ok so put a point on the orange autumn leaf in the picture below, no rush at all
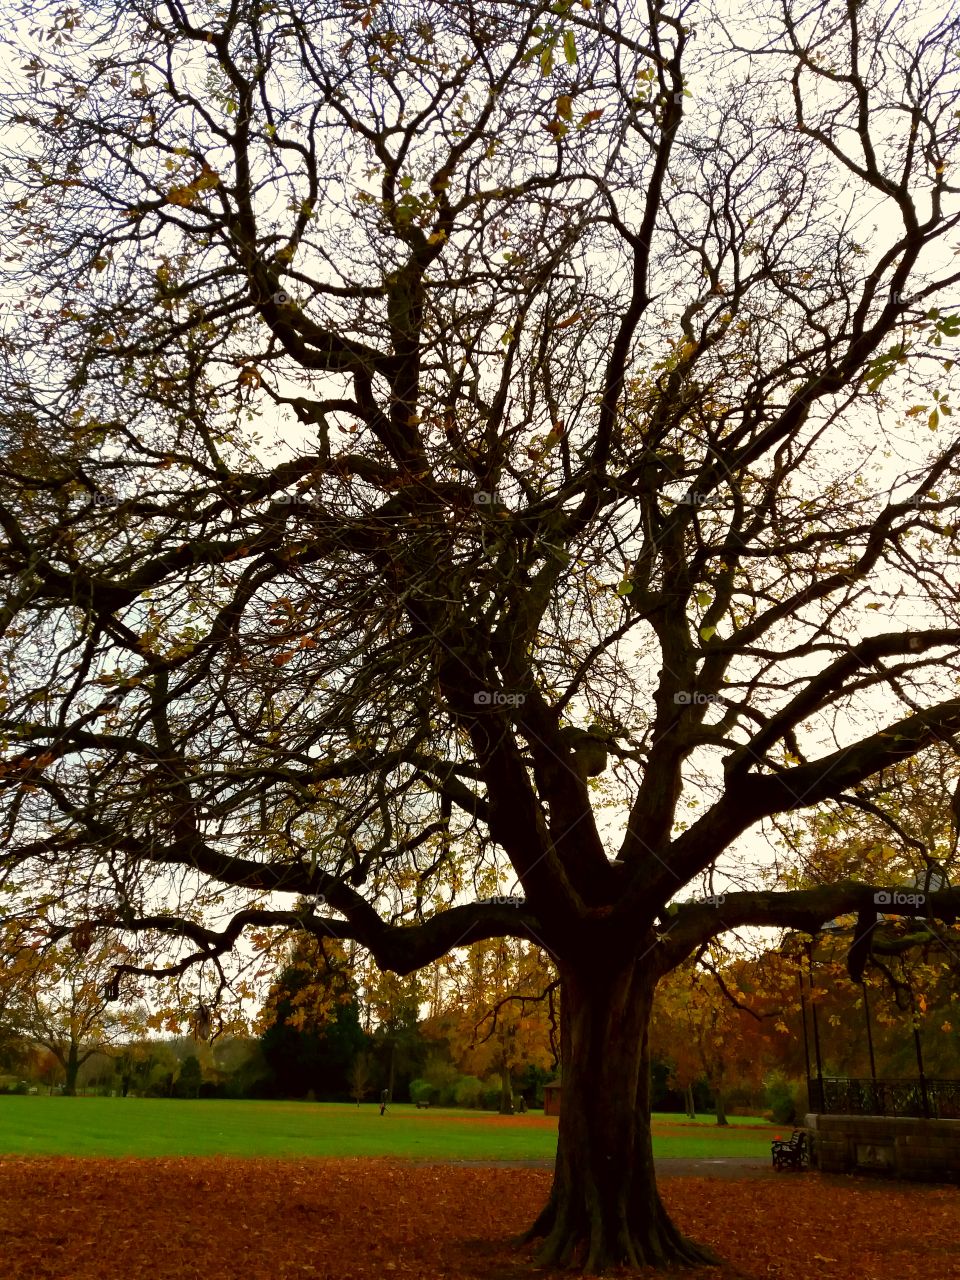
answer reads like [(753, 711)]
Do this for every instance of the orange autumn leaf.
[(95, 1219)]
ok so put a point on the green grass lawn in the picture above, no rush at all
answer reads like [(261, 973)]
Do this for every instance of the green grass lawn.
[(168, 1127)]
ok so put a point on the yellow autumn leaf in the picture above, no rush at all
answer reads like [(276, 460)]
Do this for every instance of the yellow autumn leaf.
[(208, 179)]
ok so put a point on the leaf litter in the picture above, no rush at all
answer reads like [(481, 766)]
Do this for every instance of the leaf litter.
[(246, 1219)]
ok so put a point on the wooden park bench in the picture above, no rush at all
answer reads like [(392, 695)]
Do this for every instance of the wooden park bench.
[(791, 1154), (422, 1104)]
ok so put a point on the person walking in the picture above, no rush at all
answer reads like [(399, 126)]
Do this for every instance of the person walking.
[(383, 1100)]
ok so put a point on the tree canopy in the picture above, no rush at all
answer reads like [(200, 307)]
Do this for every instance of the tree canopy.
[(473, 448)]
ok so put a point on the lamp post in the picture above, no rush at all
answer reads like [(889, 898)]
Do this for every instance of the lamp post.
[(866, 1016), (803, 1017), (915, 1023), (875, 1106), (816, 1028), (931, 880), (795, 948)]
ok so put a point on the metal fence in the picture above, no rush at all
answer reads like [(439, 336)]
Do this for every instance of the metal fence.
[(924, 1099)]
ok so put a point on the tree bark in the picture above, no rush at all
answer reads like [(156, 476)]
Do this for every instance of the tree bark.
[(72, 1068), (720, 1105), (604, 1210), (506, 1092), (691, 1109)]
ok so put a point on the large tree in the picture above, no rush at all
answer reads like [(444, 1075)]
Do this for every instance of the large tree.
[(455, 437)]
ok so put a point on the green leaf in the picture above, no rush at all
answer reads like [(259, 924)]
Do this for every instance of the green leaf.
[(624, 588), (707, 632), (704, 599), (570, 47), (934, 420)]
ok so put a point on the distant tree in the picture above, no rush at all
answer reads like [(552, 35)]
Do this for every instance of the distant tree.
[(532, 1080), (98, 1072), (130, 1061), (237, 1064), (47, 1070), (397, 1041), (468, 1091), (12, 1041), (710, 1031), (59, 995), (721, 1020), (161, 1069), (311, 1021), (18, 960), (361, 1079), (422, 1091), (496, 1015), (139, 1063), (190, 1078)]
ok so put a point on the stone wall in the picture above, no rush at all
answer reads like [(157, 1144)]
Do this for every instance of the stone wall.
[(924, 1150)]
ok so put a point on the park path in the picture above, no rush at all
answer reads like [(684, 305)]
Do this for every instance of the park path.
[(668, 1167), (730, 1169)]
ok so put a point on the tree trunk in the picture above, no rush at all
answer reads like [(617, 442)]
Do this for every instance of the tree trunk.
[(604, 1210), (691, 1109), (72, 1067), (506, 1092), (719, 1103)]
